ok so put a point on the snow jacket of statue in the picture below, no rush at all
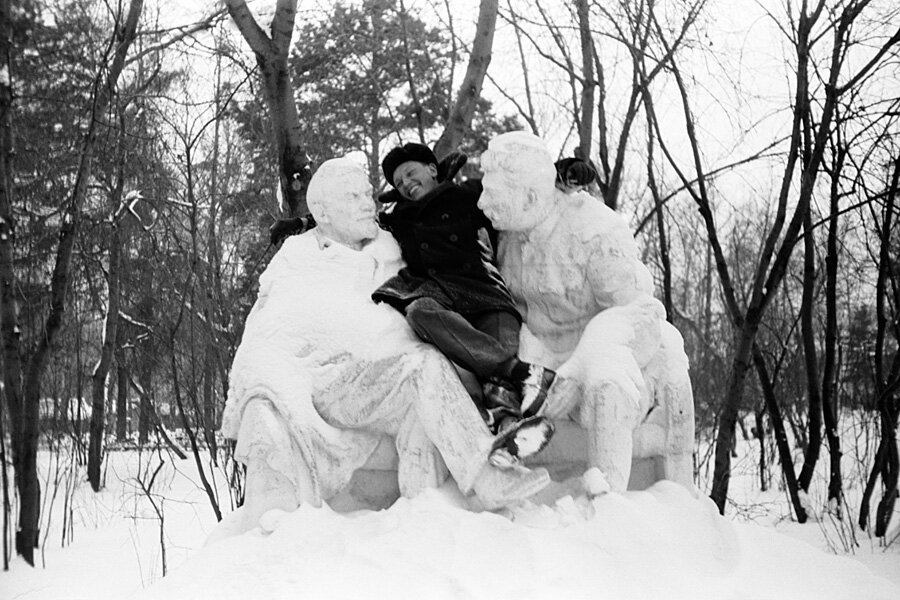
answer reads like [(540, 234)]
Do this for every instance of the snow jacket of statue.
[(445, 258)]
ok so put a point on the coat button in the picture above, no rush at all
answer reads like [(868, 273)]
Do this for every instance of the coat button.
[(432, 272), (445, 217), (454, 237), (467, 267), (424, 245)]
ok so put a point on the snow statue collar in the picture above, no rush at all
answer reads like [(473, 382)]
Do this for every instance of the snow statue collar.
[(340, 199), (519, 192)]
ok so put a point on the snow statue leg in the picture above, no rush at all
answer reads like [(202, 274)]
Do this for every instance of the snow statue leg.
[(277, 476), (666, 434), (418, 399), (609, 413), (421, 466), (454, 425), (604, 374), (380, 396)]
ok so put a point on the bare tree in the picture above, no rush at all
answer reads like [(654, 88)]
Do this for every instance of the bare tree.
[(470, 89), (23, 389), (12, 368), (585, 123), (887, 370), (271, 53), (809, 137), (99, 378), (628, 25)]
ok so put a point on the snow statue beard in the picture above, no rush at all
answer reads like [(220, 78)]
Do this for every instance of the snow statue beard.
[(340, 199), (519, 182)]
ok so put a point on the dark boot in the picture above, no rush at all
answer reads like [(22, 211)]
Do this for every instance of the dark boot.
[(500, 404), (531, 382), (520, 439)]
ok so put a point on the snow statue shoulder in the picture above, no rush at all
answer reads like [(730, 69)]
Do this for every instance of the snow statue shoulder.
[(334, 399)]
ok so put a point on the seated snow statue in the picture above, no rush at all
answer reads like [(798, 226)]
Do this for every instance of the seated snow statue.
[(325, 382), (572, 266)]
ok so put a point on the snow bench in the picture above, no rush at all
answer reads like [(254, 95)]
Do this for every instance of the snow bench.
[(375, 484)]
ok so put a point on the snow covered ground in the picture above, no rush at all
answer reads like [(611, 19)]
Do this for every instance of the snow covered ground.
[(661, 543)]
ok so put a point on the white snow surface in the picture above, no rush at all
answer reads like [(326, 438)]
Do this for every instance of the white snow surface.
[(656, 544), (661, 543)]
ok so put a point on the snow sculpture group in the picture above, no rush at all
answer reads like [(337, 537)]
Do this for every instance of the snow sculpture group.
[(333, 398)]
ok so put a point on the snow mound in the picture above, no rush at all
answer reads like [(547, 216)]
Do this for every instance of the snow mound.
[(660, 543)]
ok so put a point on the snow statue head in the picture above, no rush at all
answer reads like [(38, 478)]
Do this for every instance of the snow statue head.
[(340, 199), (519, 181)]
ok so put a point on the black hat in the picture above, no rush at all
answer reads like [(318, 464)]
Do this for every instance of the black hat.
[(405, 153)]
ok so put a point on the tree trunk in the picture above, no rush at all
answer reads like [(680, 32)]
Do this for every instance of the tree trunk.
[(470, 89), (209, 407), (759, 416), (526, 112), (830, 411), (271, 54), (100, 376), (808, 335), (410, 76), (666, 264), (189, 430), (727, 420), (781, 442), (25, 455), (890, 468), (887, 462), (121, 403), (153, 419), (586, 122), (9, 329), (602, 128), (145, 408)]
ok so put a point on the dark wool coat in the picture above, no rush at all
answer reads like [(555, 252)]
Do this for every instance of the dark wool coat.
[(446, 260)]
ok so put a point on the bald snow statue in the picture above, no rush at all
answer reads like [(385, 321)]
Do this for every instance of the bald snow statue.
[(325, 381), (572, 266)]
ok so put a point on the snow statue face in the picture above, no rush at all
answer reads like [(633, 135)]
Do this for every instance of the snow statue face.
[(340, 198), (519, 179)]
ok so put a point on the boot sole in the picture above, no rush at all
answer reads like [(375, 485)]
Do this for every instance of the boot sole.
[(526, 438)]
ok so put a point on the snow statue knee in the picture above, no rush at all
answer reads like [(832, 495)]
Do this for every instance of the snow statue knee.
[(586, 299), (325, 381)]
